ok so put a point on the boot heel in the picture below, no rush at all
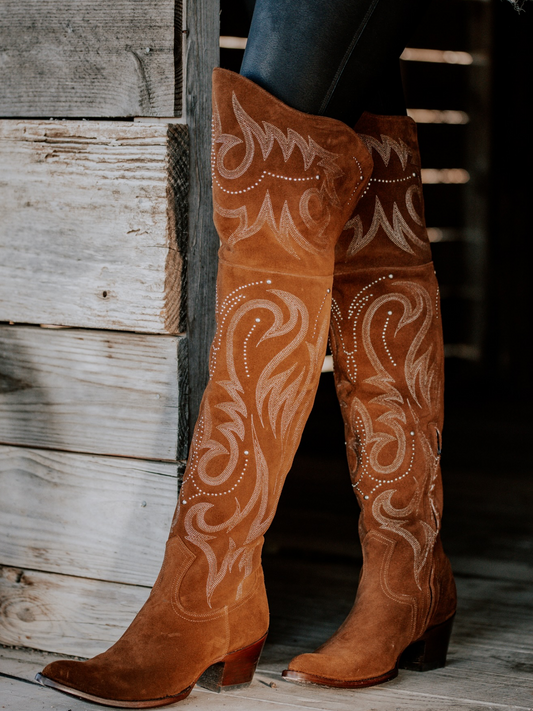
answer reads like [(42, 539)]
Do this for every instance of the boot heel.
[(235, 671), (428, 652)]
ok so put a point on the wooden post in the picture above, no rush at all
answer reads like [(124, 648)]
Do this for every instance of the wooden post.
[(201, 56)]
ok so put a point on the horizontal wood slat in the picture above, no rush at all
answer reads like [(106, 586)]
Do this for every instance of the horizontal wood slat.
[(92, 391), (90, 58), (63, 613), (93, 224), (94, 517)]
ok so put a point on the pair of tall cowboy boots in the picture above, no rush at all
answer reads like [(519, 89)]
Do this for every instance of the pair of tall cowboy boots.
[(286, 186)]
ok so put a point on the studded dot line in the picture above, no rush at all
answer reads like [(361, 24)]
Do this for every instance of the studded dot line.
[(245, 353), (383, 180), (361, 176), (201, 492), (365, 288), (381, 482), (384, 339), (259, 180), (231, 300), (328, 291)]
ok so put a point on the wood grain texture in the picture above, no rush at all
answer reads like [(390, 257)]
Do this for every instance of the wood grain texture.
[(266, 694), (201, 56), (90, 58), (63, 613), (93, 224), (93, 517), (489, 666), (91, 391)]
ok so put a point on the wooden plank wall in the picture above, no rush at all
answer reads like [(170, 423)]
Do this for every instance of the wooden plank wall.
[(96, 501), (88, 234), (78, 616), (63, 388), (96, 335), (90, 58)]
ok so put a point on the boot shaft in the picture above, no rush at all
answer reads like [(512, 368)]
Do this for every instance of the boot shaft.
[(284, 184), (386, 340)]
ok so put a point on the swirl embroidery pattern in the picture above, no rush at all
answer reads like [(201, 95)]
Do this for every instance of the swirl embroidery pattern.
[(228, 454), (299, 220), (399, 232), (387, 376)]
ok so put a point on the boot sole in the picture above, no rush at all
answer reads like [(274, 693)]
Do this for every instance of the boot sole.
[(153, 703), (234, 671), (304, 678), (427, 652)]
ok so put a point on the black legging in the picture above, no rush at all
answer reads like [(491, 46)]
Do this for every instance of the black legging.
[(336, 58)]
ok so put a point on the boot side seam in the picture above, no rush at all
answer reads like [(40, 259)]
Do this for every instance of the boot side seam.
[(328, 275), (367, 270)]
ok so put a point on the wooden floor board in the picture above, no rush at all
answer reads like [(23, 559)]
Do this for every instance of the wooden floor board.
[(490, 664), (268, 692)]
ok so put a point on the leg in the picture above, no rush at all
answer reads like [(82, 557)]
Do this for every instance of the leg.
[(328, 57)]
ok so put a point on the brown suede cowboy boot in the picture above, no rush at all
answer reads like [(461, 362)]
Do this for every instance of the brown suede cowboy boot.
[(386, 340), (284, 185)]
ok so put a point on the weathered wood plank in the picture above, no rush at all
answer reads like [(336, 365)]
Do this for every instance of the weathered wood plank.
[(20, 662), (267, 694), (90, 58), (94, 517), (489, 664), (490, 660), (201, 56), (93, 224), (91, 391), (62, 613)]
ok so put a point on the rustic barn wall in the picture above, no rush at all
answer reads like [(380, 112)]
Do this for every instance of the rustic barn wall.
[(99, 392), (93, 224), (86, 515), (63, 613), (91, 58), (107, 273)]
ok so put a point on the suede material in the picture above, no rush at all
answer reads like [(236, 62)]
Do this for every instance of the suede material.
[(278, 231), (388, 228), (386, 340), (289, 186)]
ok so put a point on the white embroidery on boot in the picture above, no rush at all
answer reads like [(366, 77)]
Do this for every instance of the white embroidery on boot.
[(386, 146)]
